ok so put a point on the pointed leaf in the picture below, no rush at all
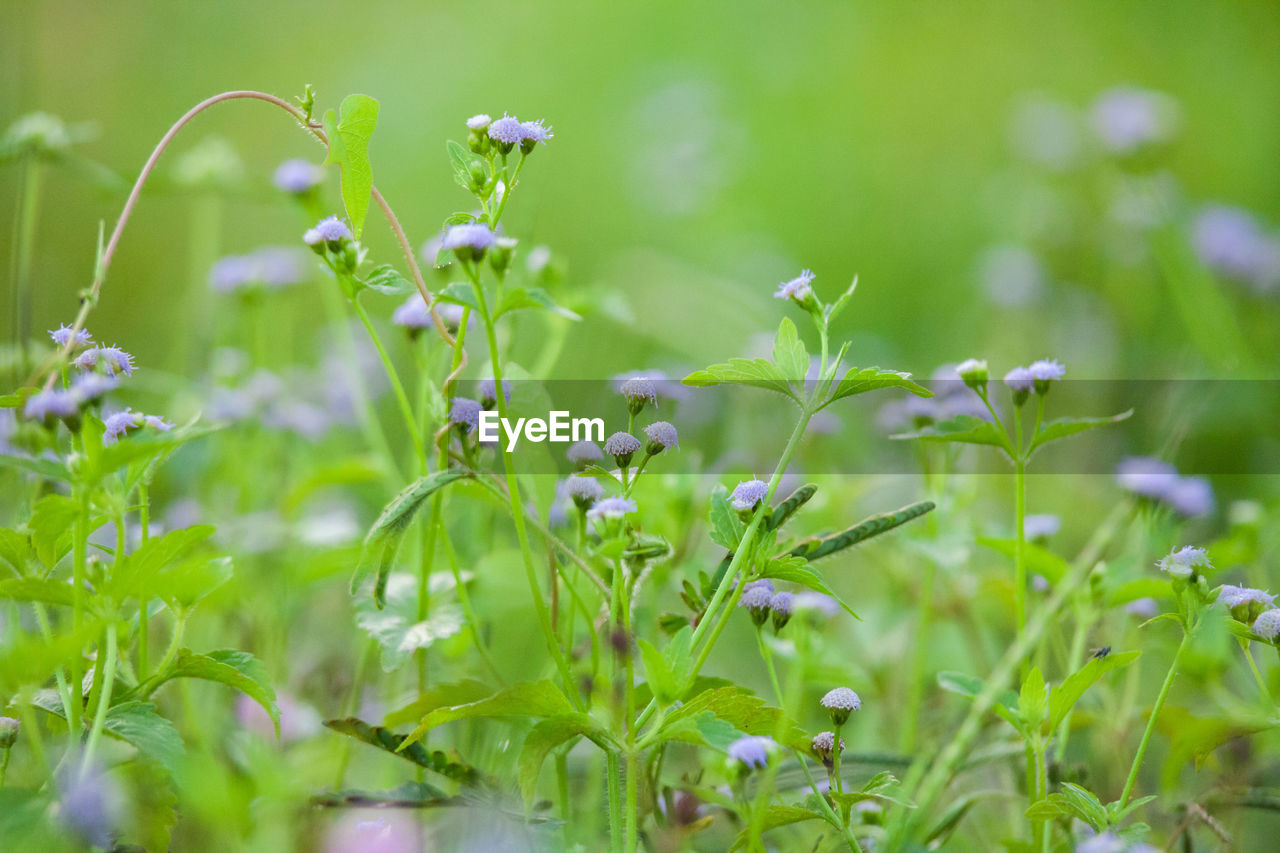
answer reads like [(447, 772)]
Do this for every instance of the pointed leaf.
[(154, 736), (349, 132), (756, 372), (449, 765), (1063, 427), (386, 279), (796, 570), (1064, 697), (546, 736), (530, 699), (789, 352), (861, 380), (965, 429), (231, 667)]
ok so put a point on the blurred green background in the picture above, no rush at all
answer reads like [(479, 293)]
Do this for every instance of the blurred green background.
[(703, 152)]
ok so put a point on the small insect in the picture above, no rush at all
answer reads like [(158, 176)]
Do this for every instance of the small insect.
[(1100, 653)]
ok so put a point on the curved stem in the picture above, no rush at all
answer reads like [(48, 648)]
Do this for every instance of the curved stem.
[(1151, 721), (402, 399)]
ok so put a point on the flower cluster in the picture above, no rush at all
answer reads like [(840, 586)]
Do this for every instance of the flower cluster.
[(761, 601), (1158, 481), (272, 267)]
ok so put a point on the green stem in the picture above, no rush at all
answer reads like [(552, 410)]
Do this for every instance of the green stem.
[(1020, 542), (1257, 675), (615, 802), (1151, 721), (79, 540), (144, 522), (104, 698), (24, 238), (406, 409)]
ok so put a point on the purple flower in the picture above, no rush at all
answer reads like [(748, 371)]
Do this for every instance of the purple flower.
[(54, 403), (232, 273), (451, 315), (535, 131), (583, 453), (751, 751), (1232, 242), (297, 176), (413, 314), (1020, 380), (839, 703), (1267, 625), (112, 359), (584, 490), (782, 605), (763, 583), (1157, 480), (1245, 603), (1041, 526), (328, 230), (89, 804), (472, 236), (62, 334), (797, 288), (488, 391), (479, 122), (757, 600), (620, 446), (1126, 119), (1144, 608), (9, 728), (465, 413), (299, 417), (507, 130), (637, 392), (119, 424), (1191, 497), (611, 508), (1184, 561), (661, 436), (748, 493), (1045, 371)]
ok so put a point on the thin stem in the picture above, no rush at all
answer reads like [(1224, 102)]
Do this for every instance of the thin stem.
[(406, 408), (104, 698), (24, 238), (615, 801), (1151, 721), (79, 539), (1020, 542), (144, 522), (1257, 676)]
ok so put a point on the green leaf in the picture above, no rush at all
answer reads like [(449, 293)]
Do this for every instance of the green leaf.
[(862, 380), (882, 786), (383, 538), (50, 524), (1033, 699), (740, 708), (788, 351), (450, 765), (726, 526), (796, 570), (137, 573), (529, 699), (965, 429), (866, 529), (1038, 560), (1064, 697), (46, 468), (143, 447), (137, 723), (834, 309), (789, 507), (756, 372), (776, 816), (45, 590), (459, 293), (15, 549), (387, 279), (1063, 427), (971, 686), (439, 696), (546, 736), (1072, 802), (396, 627), (349, 132), (519, 298), (409, 795), (657, 673), (234, 668), (461, 160)]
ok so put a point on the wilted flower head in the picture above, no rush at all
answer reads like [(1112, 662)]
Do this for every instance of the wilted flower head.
[(661, 436), (413, 313), (583, 453), (584, 490), (465, 413), (757, 601), (751, 751), (748, 493), (1267, 625), (479, 121), (840, 702), (62, 334), (621, 445), (1184, 561), (472, 235), (611, 508), (53, 403), (824, 746), (1126, 119), (797, 289), (328, 230), (1041, 526), (297, 176)]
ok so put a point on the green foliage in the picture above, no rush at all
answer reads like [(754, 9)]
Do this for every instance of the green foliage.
[(530, 699), (755, 372), (449, 765), (862, 380), (239, 670), (349, 131), (1064, 427)]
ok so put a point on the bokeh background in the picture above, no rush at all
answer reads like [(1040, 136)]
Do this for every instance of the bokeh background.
[(943, 152)]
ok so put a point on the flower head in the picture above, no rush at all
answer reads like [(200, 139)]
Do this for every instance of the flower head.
[(1184, 561), (507, 131), (297, 176), (1245, 603), (584, 490), (751, 751), (1041, 526), (1043, 372), (781, 605), (974, 372), (621, 446), (1159, 481), (328, 230), (638, 391), (1267, 625), (1020, 380), (1144, 608), (764, 583), (88, 387), (611, 508), (1126, 119), (583, 453), (112, 359), (118, 424), (465, 413), (661, 436), (413, 313), (534, 132), (797, 289), (9, 728), (824, 746), (747, 494), (471, 237), (840, 702), (1233, 243), (488, 391), (478, 122), (62, 334), (53, 403), (757, 601)]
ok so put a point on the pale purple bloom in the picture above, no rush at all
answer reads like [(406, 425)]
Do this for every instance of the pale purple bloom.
[(842, 699), (465, 413), (231, 273), (1144, 608), (797, 288), (488, 390), (1126, 118), (817, 602), (639, 390), (1233, 596), (1020, 379), (1184, 561), (112, 359), (584, 452), (757, 599), (621, 444), (1011, 276), (54, 403), (297, 176), (299, 417), (479, 121), (1190, 496), (119, 424), (1146, 476), (507, 130), (611, 508), (584, 490), (1233, 243), (472, 235), (451, 315), (748, 493), (89, 803), (751, 751), (661, 436), (782, 602), (1046, 370), (1041, 526), (1267, 625), (272, 266), (62, 334), (9, 728), (413, 314), (535, 131), (328, 230), (763, 583), (1040, 583)]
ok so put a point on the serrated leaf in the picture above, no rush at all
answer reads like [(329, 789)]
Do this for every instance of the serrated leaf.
[(50, 525), (862, 380), (239, 670), (788, 351), (461, 160), (860, 532), (1064, 697), (964, 429), (740, 708), (796, 570), (459, 293), (756, 372), (450, 765), (15, 549), (1072, 802), (519, 298), (546, 736), (1063, 427), (136, 574), (529, 699), (349, 131), (44, 590), (383, 538), (387, 279), (1033, 699), (726, 526), (439, 696), (396, 626), (139, 724)]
